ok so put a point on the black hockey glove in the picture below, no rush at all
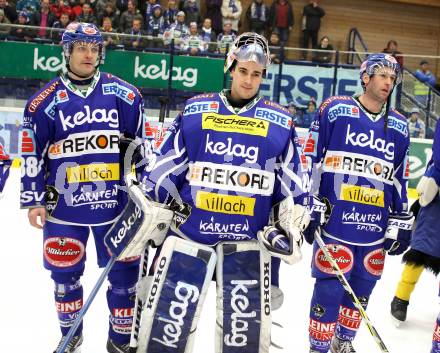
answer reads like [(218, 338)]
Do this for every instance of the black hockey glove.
[(320, 214), (398, 233)]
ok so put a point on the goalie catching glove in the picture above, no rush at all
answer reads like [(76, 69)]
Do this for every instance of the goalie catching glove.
[(398, 233), (283, 238)]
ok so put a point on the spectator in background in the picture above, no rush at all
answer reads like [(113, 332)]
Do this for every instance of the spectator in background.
[(60, 7), (9, 11), (425, 79), (257, 15), (309, 114), (177, 30), (214, 12), (87, 15), (4, 31), (392, 49), (127, 17), (231, 11), (416, 126), (135, 42), (148, 9), (44, 19), (311, 22), (208, 35), (77, 7), (294, 112), (156, 27), (31, 6), (22, 34), (110, 40), (170, 14), (323, 56), (274, 43), (59, 26), (192, 12), (122, 5), (225, 39), (281, 19), (110, 12), (98, 8), (193, 42)]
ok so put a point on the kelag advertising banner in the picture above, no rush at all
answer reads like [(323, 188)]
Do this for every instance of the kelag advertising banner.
[(140, 69)]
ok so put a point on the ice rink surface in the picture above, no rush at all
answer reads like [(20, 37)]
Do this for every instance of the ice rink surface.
[(29, 323)]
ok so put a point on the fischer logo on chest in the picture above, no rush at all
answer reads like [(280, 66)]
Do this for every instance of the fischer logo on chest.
[(89, 116)]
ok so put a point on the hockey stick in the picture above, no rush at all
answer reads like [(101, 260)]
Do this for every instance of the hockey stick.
[(117, 240), (142, 289), (343, 280)]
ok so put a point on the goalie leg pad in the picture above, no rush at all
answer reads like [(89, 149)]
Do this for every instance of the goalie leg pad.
[(178, 289), (243, 298)]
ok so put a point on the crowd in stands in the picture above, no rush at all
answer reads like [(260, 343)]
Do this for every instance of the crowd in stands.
[(162, 21)]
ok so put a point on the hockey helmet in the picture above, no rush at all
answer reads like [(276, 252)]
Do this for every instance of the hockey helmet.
[(377, 62), (82, 32), (248, 47)]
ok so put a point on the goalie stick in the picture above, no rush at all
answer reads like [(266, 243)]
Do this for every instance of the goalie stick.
[(142, 286)]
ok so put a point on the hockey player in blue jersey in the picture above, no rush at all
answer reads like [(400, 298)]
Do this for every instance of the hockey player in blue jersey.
[(358, 147), (228, 162), (72, 174)]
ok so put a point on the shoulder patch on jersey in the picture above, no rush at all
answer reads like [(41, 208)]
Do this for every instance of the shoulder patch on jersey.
[(274, 116), (200, 107), (275, 105), (329, 100), (42, 95), (398, 122), (203, 96), (341, 109)]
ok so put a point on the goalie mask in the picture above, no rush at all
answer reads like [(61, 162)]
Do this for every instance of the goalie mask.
[(248, 47), (79, 32)]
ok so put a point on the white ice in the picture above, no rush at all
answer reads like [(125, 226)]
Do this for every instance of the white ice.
[(29, 324)]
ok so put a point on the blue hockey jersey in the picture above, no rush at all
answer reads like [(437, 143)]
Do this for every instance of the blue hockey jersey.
[(70, 151), (224, 169), (359, 166)]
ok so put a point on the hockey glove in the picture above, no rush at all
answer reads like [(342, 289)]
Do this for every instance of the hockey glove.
[(398, 233), (427, 188), (320, 214), (291, 219), (278, 244)]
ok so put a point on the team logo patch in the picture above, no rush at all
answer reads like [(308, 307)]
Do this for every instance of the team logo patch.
[(361, 194), (61, 96), (232, 178), (235, 123), (349, 318), (97, 141), (51, 197), (348, 110), (27, 142), (229, 204), (318, 310), (89, 30), (374, 262), (93, 172), (201, 107), (340, 253), (274, 117), (63, 251), (125, 93), (359, 165)]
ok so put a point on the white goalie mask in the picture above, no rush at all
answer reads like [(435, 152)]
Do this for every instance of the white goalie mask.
[(248, 47)]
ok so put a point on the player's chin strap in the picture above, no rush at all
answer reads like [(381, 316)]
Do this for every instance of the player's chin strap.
[(283, 237)]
